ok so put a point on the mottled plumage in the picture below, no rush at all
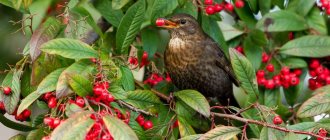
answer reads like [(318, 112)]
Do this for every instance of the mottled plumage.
[(195, 61)]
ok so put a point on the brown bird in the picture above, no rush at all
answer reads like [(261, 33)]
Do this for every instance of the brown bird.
[(195, 61)]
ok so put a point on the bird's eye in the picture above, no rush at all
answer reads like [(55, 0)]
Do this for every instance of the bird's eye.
[(182, 21)]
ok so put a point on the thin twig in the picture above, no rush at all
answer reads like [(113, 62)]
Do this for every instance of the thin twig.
[(133, 108), (249, 121), (161, 95)]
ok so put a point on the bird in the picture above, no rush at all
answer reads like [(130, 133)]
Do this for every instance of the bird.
[(195, 61)]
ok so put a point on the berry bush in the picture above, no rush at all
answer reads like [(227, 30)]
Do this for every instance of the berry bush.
[(94, 70)]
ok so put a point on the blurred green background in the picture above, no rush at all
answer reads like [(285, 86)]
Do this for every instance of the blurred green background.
[(11, 43)]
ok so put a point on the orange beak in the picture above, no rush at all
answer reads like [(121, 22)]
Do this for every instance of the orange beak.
[(164, 23)]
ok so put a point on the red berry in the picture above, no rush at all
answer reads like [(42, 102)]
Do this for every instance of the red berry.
[(65, 20), (294, 81), (26, 113), (270, 67), (147, 125), (133, 60), (94, 60), (2, 106), (265, 57), (240, 49), (218, 7), (239, 4), (48, 95), (298, 72), (139, 118), (319, 70), (270, 84), (291, 36), (7, 90), (176, 124), (208, 2), (314, 63), (144, 59), (80, 101), (260, 73), (98, 90), (312, 73), (285, 70), (327, 10), (277, 120), (56, 123), (19, 117), (52, 102), (168, 78), (327, 81), (261, 81), (160, 22), (229, 7), (49, 121), (210, 10), (106, 137)]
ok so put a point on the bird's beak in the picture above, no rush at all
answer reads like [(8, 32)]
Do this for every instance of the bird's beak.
[(164, 23)]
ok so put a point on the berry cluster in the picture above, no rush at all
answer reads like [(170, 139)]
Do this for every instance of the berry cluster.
[(320, 75), (23, 116), (101, 93), (52, 122), (155, 78), (144, 60), (325, 4), (322, 132), (277, 120), (50, 98), (98, 130), (146, 124), (211, 9), (286, 78)]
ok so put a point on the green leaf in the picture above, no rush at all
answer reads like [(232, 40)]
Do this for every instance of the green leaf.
[(42, 105), (17, 4), (151, 41), (82, 68), (45, 32), (244, 72), (265, 6), (139, 131), (37, 120), (229, 31), (161, 8), (118, 92), (301, 7), (127, 79), (195, 100), (111, 15), (48, 84), (253, 44), (192, 137), (118, 4), (130, 26), (221, 133), (282, 21), (188, 8), (324, 123), (26, 85), (185, 128), (71, 109), (269, 134), (79, 119), (142, 99), (294, 63), (79, 130), (12, 80), (17, 137), (318, 104), (272, 97), (13, 125), (69, 48), (304, 126), (246, 15), (291, 136), (308, 46), (35, 134), (316, 22), (84, 13), (118, 129), (80, 85)]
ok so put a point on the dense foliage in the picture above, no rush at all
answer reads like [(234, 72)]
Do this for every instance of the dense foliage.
[(68, 85)]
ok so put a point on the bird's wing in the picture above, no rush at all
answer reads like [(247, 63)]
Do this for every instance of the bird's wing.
[(222, 61)]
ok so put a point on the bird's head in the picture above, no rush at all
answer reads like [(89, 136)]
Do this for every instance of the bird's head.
[(180, 25)]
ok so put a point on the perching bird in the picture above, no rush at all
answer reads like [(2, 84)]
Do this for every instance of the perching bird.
[(195, 61)]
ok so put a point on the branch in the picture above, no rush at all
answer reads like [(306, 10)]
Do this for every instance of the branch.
[(133, 108), (234, 117)]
